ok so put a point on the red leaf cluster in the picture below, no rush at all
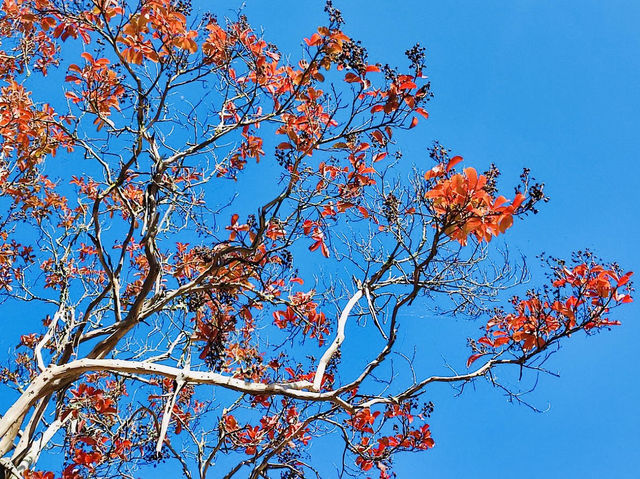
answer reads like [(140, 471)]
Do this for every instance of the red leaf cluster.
[(578, 299), (464, 206)]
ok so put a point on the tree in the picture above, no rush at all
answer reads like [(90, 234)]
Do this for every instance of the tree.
[(175, 267)]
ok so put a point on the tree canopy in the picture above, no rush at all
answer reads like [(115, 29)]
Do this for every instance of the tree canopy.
[(220, 279)]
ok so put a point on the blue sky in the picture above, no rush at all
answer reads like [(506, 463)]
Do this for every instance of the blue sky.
[(551, 85)]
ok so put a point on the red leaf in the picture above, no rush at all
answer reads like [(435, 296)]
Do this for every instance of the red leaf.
[(473, 357), (378, 136), (408, 85), (284, 146), (500, 341), (366, 465), (352, 78), (453, 162), (624, 279), (414, 122)]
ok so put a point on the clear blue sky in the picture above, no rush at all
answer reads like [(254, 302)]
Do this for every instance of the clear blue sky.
[(552, 85)]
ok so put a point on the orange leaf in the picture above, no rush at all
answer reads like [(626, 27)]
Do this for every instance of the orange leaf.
[(505, 223), (434, 172), (87, 57), (517, 201), (422, 111), (453, 162), (500, 200), (314, 40), (471, 174)]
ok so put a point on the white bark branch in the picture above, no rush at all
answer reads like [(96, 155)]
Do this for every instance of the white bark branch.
[(54, 377), (168, 411), (45, 339), (35, 449), (333, 348)]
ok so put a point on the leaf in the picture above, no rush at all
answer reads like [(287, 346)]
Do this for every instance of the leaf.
[(500, 200), (87, 56), (434, 172), (379, 156), (472, 176), (624, 279), (505, 223), (364, 211), (517, 201), (285, 146), (378, 136), (352, 78), (453, 162), (414, 122), (422, 111), (409, 100), (313, 41), (473, 358), (340, 36)]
